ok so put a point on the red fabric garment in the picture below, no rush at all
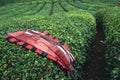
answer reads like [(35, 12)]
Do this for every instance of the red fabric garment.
[(45, 45)]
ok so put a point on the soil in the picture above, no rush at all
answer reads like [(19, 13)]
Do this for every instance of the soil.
[(42, 7), (52, 9), (62, 6), (95, 66)]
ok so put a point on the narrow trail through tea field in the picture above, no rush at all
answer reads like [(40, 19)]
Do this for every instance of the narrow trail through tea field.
[(52, 8), (95, 67)]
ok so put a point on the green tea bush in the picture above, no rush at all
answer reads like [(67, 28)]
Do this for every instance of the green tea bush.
[(109, 19), (4, 2), (76, 29)]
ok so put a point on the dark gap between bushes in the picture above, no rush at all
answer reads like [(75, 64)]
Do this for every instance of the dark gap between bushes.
[(52, 8), (95, 66)]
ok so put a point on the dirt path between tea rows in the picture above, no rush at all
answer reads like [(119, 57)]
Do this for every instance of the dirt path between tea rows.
[(95, 67)]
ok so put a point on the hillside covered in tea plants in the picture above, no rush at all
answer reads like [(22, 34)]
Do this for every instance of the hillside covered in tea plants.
[(90, 28)]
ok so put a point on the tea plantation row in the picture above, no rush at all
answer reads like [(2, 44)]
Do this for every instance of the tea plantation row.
[(109, 19), (28, 9), (76, 29), (44, 8)]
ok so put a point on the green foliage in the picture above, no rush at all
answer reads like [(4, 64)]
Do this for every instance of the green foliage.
[(76, 29), (42, 7), (110, 20), (3, 2), (33, 8)]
